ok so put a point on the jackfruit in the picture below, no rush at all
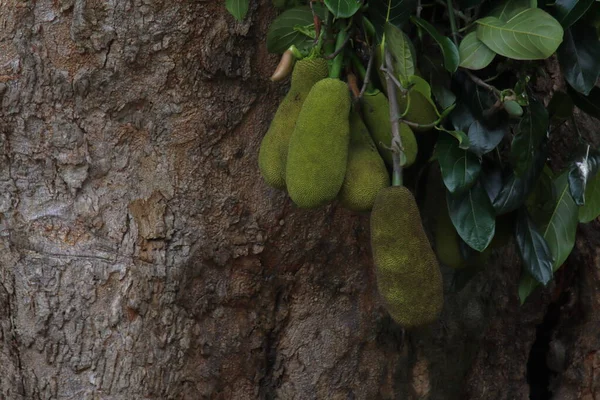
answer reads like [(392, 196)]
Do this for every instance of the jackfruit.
[(366, 173), (420, 110), (376, 112), (273, 151), (318, 152), (408, 275)]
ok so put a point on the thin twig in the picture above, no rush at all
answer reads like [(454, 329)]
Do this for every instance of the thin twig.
[(339, 50), (481, 83), (452, 17), (368, 74), (458, 13), (395, 81), (419, 8)]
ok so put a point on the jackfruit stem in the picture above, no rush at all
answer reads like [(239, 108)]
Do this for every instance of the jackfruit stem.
[(363, 73), (342, 39), (396, 145)]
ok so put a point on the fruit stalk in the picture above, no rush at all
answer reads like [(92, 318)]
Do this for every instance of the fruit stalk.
[(336, 66), (396, 144)]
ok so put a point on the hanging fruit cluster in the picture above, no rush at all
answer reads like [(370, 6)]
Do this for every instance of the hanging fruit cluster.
[(436, 96)]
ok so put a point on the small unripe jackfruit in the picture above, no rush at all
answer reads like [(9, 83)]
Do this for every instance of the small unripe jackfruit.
[(376, 112), (318, 152), (408, 275), (366, 173), (420, 110), (273, 151)]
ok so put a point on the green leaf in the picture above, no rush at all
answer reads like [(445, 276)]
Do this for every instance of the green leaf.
[(237, 8), (579, 58), (396, 12), (510, 8), (560, 230), (449, 50), (560, 106), (583, 168), (516, 189), (567, 12), (533, 248), (532, 34), (432, 69), (529, 136), (460, 168), (589, 104), (485, 138), (591, 209), (473, 53), (343, 8), (527, 284), (463, 139), (283, 31), (473, 217), (402, 51)]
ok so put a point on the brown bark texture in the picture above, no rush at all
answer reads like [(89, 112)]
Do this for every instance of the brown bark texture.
[(142, 257)]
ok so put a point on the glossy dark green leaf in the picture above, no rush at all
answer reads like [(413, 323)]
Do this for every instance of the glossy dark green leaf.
[(559, 232), (567, 12), (463, 139), (541, 200), (287, 3), (237, 8), (449, 49), (460, 168), (562, 226), (509, 8), (491, 178), (432, 69), (461, 117), (533, 248), (583, 168), (343, 8), (532, 34), (473, 217), (402, 52), (589, 104), (527, 285), (591, 209), (579, 58), (484, 138), (473, 53), (560, 106), (530, 133), (396, 12), (515, 189), (283, 33)]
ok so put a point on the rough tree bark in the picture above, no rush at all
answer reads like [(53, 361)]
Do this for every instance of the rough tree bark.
[(142, 256)]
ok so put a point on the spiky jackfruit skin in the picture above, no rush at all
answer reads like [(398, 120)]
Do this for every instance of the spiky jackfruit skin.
[(318, 152), (366, 173), (376, 112), (447, 241), (408, 275), (420, 110), (273, 151)]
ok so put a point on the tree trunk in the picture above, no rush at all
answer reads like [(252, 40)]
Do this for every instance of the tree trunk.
[(143, 257)]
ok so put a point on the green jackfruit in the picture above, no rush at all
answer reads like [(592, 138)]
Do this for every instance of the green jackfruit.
[(376, 112), (318, 152), (408, 275), (366, 173), (273, 151), (420, 110)]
